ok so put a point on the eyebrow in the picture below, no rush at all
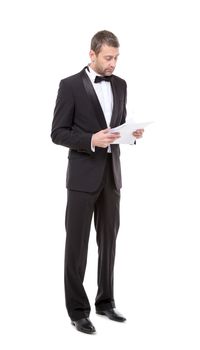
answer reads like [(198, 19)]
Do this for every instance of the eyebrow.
[(110, 56)]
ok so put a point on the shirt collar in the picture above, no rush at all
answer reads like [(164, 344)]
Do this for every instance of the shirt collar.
[(91, 73)]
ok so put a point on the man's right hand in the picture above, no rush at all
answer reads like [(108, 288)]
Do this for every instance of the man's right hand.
[(104, 138)]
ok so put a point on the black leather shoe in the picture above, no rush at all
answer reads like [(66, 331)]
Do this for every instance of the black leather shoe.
[(112, 315), (84, 325)]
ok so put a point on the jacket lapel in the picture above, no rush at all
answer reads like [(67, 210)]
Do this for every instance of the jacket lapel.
[(115, 103), (94, 99)]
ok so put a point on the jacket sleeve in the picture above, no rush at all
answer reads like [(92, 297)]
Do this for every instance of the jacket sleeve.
[(64, 132), (125, 102), (125, 110)]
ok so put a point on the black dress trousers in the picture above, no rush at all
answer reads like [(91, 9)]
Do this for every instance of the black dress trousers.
[(104, 203)]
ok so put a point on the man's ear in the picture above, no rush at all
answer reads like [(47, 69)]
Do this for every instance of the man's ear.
[(92, 55)]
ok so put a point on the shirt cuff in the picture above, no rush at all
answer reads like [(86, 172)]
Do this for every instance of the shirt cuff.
[(92, 147)]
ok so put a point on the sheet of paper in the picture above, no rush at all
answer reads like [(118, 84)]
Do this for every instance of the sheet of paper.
[(126, 131)]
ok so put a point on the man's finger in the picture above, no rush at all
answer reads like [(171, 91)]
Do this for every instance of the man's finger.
[(105, 131)]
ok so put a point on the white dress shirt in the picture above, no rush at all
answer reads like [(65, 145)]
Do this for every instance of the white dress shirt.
[(105, 96)]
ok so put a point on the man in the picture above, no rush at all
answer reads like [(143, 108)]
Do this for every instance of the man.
[(88, 104)]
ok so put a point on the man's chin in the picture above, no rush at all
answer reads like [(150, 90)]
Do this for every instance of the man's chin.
[(108, 73)]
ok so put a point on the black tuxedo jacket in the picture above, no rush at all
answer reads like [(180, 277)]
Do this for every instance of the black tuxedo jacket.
[(77, 116)]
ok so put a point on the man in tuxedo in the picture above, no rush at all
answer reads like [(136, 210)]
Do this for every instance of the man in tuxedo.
[(88, 104)]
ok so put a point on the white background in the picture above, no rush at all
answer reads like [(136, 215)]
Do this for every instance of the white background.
[(157, 265)]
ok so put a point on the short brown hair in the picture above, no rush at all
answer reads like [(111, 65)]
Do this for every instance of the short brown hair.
[(104, 37)]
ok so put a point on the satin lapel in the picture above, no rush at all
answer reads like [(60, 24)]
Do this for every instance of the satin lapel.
[(94, 100), (115, 104)]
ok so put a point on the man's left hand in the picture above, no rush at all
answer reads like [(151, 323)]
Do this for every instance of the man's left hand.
[(138, 133)]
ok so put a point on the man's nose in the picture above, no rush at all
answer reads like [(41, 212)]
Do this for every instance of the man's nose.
[(113, 63)]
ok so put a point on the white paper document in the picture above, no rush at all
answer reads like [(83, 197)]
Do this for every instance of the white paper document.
[(126, 131)]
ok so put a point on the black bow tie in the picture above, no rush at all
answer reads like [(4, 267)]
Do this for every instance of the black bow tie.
[(98, 78)]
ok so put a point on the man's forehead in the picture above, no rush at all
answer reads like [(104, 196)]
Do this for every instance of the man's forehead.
[(109, 50)]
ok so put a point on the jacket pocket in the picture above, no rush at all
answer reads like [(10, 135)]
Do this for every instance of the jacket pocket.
[(79, 155)]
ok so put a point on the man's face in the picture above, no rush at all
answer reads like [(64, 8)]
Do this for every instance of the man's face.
[(105, 61)]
